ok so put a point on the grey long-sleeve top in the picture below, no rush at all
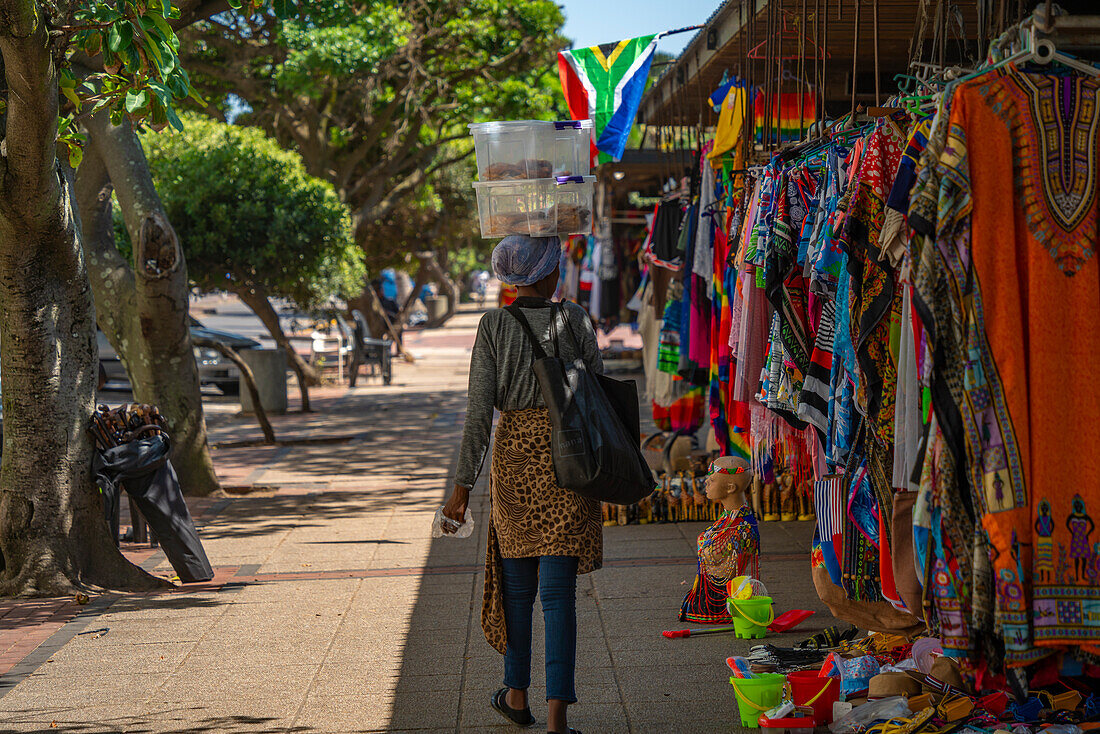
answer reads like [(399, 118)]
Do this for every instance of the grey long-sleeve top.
[(501, 375)]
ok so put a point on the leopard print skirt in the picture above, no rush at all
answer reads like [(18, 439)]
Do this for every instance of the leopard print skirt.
[(530, 514)]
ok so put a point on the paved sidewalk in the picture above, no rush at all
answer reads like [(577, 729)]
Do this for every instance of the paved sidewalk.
[(334, 611)]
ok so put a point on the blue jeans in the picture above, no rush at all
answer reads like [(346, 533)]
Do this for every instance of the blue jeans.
[(555, 580)]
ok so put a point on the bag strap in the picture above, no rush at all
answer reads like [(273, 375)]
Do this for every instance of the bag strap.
[(536, 347), (559, 312)]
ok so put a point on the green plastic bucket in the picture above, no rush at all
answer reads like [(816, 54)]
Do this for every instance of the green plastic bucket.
[(756, 695), (751, 617)]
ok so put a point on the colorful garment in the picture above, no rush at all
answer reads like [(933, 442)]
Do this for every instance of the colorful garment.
[(877, 300), (790, 116), (1021, 277), (668, 351), (731, 121)]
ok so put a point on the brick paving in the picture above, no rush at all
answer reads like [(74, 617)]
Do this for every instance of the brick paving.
[(24, 625), (332, 609)]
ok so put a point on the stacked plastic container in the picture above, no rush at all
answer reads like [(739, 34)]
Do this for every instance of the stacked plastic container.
[(533, 177)]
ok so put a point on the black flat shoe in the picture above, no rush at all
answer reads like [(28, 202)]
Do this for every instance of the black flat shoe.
[(519, 717), (571, 731)]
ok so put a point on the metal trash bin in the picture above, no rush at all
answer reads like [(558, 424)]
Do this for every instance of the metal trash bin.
[(436, 307), (269, 368)]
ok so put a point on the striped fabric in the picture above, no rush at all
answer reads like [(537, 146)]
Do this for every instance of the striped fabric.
[(668, 353), (813, 405), (830, 506), (686, 414), (668, 348), (785, 116), (739, 443)]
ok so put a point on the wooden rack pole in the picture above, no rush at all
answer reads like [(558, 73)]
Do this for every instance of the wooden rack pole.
[(801, 73), (824, 58), (855, 59), (878, 96)]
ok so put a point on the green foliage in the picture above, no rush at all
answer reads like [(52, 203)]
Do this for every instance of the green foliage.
[(135, 44), (249, 214), (466, 260), (139, 51), (377, 96), (439, 215)]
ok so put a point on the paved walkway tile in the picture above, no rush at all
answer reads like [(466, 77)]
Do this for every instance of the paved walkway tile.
[(334, 611)]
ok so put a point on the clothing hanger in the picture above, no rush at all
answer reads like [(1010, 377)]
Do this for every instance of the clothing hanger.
[(1045, 52), (1041, 51), (907, 83)]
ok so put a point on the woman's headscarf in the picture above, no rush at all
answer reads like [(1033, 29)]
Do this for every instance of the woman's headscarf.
[(523, 260)]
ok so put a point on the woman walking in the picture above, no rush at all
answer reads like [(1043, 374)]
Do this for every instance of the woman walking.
[(540, 535)]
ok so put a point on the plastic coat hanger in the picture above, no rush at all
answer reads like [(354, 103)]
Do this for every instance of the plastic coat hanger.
[(1036, 50)]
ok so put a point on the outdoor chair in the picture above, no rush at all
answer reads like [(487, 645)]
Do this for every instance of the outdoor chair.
[(376, 354)]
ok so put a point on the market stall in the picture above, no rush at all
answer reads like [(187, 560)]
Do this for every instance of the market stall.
[(877, 286)]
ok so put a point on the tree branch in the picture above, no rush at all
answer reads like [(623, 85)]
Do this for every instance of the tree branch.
[(448, 162), (137, 195), (111, 277), (249, 380)]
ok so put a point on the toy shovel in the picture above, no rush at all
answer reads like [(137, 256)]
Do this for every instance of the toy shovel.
[(740, 667), (789, 620)]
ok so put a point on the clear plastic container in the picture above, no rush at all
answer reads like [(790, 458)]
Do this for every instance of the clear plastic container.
[(526, 149), (536, 207)]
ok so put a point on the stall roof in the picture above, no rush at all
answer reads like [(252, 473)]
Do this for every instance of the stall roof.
[(644, 171), (679, 95)]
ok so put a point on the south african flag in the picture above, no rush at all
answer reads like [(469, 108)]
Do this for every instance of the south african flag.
[(605, 84)]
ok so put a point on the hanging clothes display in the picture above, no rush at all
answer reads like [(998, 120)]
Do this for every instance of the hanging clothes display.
[(890, 321), (1019, 278)]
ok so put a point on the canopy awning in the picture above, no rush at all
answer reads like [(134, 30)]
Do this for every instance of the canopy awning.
[(679, 97)]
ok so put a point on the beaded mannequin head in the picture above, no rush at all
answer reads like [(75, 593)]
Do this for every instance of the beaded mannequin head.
[(728, 480)]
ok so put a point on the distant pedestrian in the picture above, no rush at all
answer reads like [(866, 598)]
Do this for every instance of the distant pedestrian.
[(540, 535)]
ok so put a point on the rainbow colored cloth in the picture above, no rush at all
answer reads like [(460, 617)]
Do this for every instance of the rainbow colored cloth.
[(794, 113)]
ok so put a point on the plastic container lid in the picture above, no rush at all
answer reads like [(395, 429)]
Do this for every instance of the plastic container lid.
[(515, 125), (517, 182)]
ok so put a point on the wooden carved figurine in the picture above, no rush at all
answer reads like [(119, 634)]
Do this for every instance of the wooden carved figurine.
[(770, 502), (806, 504), (758, 496), (788, 511)]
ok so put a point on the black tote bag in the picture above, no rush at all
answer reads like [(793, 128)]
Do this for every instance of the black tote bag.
[(594, 423)]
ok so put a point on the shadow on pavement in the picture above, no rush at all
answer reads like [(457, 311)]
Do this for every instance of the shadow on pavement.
[(629, 677), (67, 719)]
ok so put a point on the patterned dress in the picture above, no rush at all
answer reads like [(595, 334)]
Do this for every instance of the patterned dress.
[(1016, 226)]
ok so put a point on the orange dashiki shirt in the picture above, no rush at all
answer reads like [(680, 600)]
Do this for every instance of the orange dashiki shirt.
[(1019, 224)]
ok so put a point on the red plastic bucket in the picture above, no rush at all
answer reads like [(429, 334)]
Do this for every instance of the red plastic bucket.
[(810, 689)]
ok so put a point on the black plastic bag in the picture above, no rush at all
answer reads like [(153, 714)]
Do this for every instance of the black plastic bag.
[(141, 467), (594, 424)]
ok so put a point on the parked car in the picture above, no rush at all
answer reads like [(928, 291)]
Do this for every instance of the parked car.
[(214, 369)]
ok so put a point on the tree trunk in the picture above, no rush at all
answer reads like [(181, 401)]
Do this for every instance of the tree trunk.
[(366, 303), (249, 381), (421, 280), (143, 306), (53, 537), (256, 299)]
